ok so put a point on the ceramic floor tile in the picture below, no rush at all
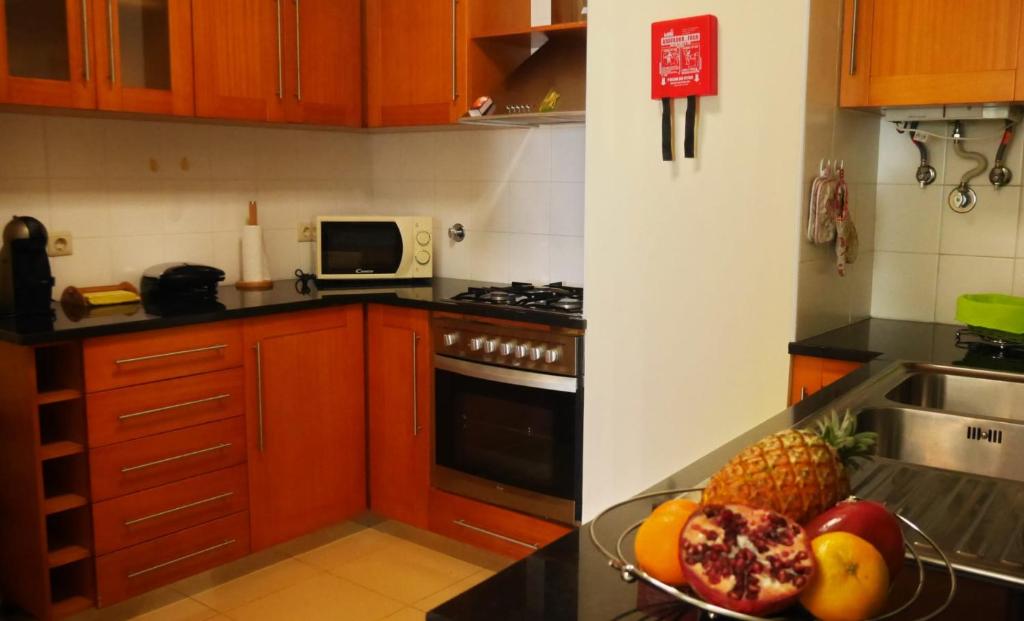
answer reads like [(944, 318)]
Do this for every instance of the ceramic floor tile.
[(407, 614), (406, 572), (349, 548), (320, 538), (438, 543), (184, 610), (429, 603), (166, 601), (324, 598), (260, 583), (231, 571)]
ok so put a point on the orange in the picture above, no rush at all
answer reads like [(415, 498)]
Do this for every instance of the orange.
[(852, 580), (657, 540)]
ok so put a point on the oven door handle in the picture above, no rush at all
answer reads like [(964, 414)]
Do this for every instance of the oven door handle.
[(515, 377)]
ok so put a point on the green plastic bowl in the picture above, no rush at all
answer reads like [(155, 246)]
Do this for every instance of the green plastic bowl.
[(994, 311)]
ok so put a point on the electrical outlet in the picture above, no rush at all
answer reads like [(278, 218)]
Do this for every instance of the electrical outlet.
[(307, 232), (59, 244)]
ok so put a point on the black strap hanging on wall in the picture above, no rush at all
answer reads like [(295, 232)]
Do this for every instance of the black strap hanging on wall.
[(691, 127), (666, 129)]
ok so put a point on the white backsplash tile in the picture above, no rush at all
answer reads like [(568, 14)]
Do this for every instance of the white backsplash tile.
[(568, 145), (567, 209), (24, 197), (528, 205), (129, 257), (529, 258), (531, 155), (898, 158), (23, 152), (904, 286), (1018, 277), (566, 259), (984, 137), (907, 218), (490, 258), (74, 148), (80, 206), (990, 229), (959, 275)]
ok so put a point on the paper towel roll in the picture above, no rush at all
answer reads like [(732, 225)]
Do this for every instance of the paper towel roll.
[(254, 265)]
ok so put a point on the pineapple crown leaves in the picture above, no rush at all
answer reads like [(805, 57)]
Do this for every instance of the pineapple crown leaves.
[(841, 434)]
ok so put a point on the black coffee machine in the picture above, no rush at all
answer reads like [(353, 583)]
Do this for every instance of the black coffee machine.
[(26, 283)]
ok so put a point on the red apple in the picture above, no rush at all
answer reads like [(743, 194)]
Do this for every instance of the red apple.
[(868, 520)]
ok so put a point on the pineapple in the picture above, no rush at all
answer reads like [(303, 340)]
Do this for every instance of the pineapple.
[(797, 472)]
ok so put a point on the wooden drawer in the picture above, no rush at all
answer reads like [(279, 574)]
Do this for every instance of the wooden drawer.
[(150, 565), (129, 359), (139, 411), (136, 465), (487, 526), (133, 519)]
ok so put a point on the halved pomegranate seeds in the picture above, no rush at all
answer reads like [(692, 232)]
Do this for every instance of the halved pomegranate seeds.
[(748, 560)]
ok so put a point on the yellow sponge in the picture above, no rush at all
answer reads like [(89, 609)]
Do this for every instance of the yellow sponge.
[(109, 298)]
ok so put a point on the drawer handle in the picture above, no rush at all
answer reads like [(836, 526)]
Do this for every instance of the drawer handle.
[(484, 531), (174, 407), (166, 460), (190, 505), (142, 572), (170, 354)]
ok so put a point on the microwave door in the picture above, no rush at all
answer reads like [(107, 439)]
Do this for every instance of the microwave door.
[(363, 248)]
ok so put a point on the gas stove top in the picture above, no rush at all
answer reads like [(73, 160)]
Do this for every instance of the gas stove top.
[(553, 298)]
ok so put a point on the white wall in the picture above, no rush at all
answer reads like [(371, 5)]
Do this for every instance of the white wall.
[(826, 300), (691, 266), (120, 188), (927, 255)]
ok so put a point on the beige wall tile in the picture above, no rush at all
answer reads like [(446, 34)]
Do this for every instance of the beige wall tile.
[(907, 218), (960, 275), (904, 286), (990, 229)]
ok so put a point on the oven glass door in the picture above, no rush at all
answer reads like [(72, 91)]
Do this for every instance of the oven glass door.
[(360, 247), (514, 435)]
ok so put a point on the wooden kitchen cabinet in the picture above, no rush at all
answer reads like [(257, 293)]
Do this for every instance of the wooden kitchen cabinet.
[(809, 374), (415, 69), (323, 62), (306, 421), (143, 57), (46, 52), (921, 52), (400, 399), (279, 60)]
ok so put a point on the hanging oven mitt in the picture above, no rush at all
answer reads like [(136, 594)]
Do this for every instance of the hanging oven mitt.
[(847, 241), (825, 211)]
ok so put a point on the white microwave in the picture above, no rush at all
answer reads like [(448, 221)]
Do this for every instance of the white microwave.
[(374, 247)]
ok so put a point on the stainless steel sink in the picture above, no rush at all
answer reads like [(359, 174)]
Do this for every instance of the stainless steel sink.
[(950, 457)]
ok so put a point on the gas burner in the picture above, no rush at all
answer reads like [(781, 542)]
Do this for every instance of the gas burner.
[(554, 298), (995, 342)]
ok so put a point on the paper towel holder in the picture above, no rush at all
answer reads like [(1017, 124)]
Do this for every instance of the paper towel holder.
[(253, 285)]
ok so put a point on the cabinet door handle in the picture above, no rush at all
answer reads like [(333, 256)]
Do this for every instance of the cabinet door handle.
[(167, 512), (170, 354), (803, 392), (280, 53), (415, 385), (298, 50), (86, 61), (259, 397), (142, 572), (853, 38), (167, 460), (176, 406), (455, 54), (110, 42), (491, 533)]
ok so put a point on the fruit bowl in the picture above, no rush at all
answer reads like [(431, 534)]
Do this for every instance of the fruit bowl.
[(630, 572)]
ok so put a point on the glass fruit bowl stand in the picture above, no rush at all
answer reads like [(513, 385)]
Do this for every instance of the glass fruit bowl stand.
[(630, 572)]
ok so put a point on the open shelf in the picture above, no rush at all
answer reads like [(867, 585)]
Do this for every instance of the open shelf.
[(58, 395), (71, 606), (60, 448), (58, 367), (532, 119), (64, 502), (68, 554), (550, 29)]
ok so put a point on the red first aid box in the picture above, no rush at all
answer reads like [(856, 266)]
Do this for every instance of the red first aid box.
[(684, 57)]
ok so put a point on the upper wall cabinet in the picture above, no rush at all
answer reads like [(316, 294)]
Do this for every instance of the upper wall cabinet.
[(119, 55), (45, 49), (144, 55), (921, 52), (415, 53), (279, 60)]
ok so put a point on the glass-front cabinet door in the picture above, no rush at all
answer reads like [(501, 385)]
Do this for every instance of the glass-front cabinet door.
[(144, 55), (45, 53)]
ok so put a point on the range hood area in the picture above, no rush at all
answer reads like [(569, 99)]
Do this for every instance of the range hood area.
[(516, 64)]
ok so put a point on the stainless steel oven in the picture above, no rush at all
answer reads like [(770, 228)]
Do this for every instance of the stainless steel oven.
[(509, 416)]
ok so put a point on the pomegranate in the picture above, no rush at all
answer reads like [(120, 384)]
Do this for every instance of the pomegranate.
[(868, 520), (748, 560)]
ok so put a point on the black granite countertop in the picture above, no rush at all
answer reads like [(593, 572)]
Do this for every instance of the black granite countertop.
[(285, 296), (570, 580)]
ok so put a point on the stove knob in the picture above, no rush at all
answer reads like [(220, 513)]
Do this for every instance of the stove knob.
[(521, 351), (450, 339), (552, 356), (505, 349), (475, 344), (491, 346), (537, 352)]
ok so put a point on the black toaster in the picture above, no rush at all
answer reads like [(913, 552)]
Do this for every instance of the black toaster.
[(180, 284)]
